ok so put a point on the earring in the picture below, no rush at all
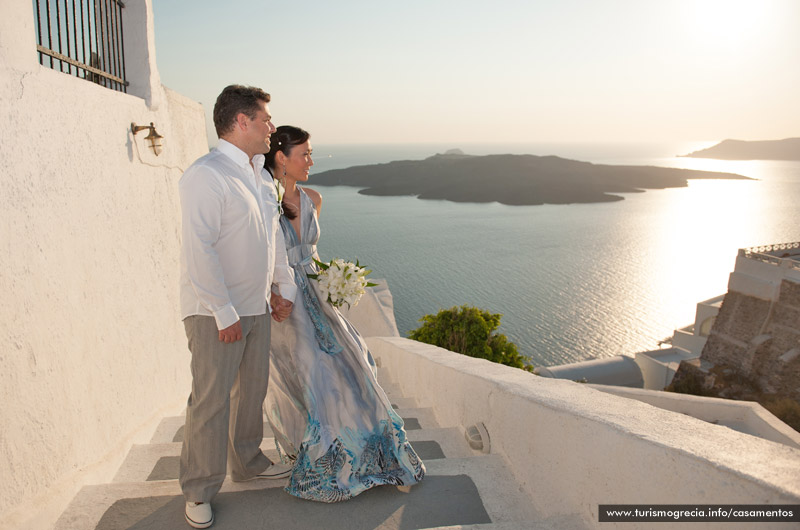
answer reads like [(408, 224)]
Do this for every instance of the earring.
[(284, 171)]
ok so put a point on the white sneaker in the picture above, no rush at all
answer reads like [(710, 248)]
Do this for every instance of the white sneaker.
[(199, 514), (275, 471)]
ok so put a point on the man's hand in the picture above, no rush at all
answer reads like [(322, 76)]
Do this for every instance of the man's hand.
[(281, 307), (231, 333)]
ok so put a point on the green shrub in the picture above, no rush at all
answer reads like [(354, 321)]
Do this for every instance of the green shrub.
[(470, 331)]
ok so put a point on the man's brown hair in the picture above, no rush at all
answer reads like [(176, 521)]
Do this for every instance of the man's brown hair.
[(232, 101)]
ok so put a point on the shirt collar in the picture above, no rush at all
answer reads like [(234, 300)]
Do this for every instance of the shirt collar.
[(239, 156)]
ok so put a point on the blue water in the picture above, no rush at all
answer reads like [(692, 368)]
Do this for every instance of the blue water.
[(573, 282)]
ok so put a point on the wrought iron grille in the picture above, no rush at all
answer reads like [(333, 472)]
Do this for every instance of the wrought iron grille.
[(82, 38)]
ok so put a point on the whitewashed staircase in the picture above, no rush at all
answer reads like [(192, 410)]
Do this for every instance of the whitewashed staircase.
[(463, 489)]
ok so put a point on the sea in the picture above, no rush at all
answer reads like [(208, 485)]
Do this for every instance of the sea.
[(572, 282)]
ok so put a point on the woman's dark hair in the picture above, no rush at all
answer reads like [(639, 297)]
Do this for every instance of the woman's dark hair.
[(283, 139)]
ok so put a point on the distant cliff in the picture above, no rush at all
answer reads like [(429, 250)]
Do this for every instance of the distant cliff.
[(788, 149), (509, 179)]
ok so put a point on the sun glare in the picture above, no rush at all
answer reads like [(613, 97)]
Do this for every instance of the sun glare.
[(727, 23)]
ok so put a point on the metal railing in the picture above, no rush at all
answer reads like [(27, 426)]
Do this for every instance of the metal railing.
[(82, 38)]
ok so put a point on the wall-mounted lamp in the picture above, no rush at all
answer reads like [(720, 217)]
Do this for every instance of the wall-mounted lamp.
[(154, 139)]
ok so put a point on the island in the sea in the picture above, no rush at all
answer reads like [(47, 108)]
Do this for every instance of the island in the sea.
[(509, 179), (786, 149)]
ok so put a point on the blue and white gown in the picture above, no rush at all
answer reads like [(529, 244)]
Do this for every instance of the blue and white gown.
[(326, 409)]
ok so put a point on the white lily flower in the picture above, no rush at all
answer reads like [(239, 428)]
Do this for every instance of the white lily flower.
[(343, 282)]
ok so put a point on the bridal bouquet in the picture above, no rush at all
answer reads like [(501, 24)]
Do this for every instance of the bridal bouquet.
[(343, 281)]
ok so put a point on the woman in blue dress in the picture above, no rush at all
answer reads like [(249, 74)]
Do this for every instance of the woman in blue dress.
[(327, 412)]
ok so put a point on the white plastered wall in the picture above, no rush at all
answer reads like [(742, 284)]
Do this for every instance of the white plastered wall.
[(93, 350), (756, 278), (572, 447)]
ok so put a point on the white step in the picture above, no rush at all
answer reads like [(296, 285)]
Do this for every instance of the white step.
[(171, 430), (450, 440), (151, 505), (384, 376), (418, 418), (404, 403), (160, 461), (392, 390), (502, 498), (461, 491)]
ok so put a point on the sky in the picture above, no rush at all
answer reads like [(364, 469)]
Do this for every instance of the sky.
[(516, 71)]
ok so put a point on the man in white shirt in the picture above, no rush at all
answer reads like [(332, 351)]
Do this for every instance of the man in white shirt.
[(232, 251)]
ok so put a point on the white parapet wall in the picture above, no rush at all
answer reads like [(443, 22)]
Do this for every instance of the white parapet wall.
[(373, 315), (572, 447), (659, 366), (744, 416), (93, 348), (760, 274)]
